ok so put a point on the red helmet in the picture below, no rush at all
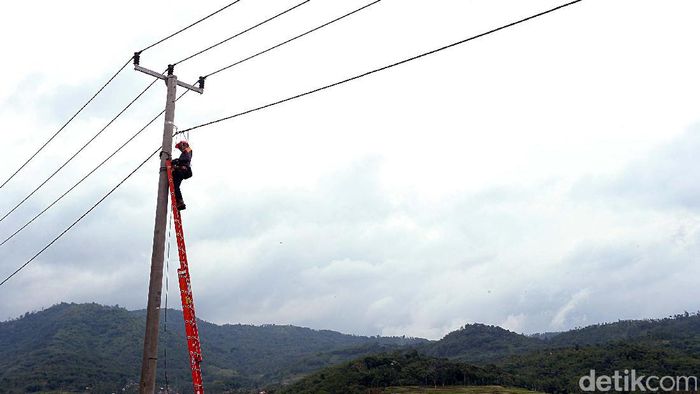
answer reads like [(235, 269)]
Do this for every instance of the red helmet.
[(182, 145)]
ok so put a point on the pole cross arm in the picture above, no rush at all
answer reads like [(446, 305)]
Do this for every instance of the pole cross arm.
[(158, 75)]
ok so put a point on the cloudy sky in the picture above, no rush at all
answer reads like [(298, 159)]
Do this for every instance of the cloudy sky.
[(541, 178)]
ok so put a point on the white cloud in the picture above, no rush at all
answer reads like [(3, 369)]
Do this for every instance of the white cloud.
[(539, 178), (560, 318)]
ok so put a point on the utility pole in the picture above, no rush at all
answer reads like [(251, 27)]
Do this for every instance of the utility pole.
[(150, 343)]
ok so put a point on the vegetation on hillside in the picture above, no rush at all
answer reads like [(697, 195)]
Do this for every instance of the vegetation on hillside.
[(678, 327), (554, 363), (77, 346), (559, 370), (72, 347), (395, 369), (481, 343), (456, 390)]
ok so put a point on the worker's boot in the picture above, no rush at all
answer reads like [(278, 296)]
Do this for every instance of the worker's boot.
[(181, 205)]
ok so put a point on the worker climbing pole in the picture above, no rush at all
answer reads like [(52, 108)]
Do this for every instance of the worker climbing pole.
[(165, 182), (183, 273)]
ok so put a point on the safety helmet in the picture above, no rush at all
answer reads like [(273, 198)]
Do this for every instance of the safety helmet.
[(182, 145)]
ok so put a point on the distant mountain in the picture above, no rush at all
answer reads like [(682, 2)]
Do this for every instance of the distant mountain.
[(69, 347), (73, 346), (481, 343), (79, 347), (556, 361), (677, 328), (548, 363), (661, 347), (555, 370)]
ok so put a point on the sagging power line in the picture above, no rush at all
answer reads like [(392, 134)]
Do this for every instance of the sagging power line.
[(77, 153), (240, 33), (280, 102), (134, 136), (60, 129), (150, 351), (188, 26), (377, 69), (33, 155), (90, 173), (78, 220), (125, 143), (291, 39)]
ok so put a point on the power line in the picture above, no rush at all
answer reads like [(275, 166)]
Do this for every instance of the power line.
[(148, 124), (187, 58), (103, 87), (65, 124), (379, 69), (78, 152), (258, 54), (240, 33), (291, 39), (188, 26), (276, 103), (86, 175), (78, 220)]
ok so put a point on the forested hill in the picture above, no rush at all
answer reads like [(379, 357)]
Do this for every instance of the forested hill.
[(73, 346), (70, 347), (481, 343), (678, 327), (548, 363), (408, 368)]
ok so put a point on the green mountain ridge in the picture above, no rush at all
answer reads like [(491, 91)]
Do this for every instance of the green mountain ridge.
[(71, 347), (551, 363), (481, 343), (408, 368)]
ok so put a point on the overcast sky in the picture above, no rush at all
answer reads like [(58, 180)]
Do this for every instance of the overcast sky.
[(540, 178)]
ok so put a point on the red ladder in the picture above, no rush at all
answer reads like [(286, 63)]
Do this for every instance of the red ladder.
[(183, 274)]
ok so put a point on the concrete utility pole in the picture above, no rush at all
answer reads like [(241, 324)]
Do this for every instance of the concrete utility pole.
[(150, 343)]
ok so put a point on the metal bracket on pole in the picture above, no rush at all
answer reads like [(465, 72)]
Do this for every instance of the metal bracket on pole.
[(152, 73)]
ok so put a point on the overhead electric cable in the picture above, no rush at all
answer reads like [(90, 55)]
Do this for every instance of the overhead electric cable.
[(379, 69), (65, 124), (292, 39), (78, 152), (87, 175), (79, 219), (258, 54), (103, 87), (240, 33), (188, 26), (270, 105)]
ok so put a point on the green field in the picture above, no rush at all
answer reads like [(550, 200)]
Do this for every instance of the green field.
[(457, 390)]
